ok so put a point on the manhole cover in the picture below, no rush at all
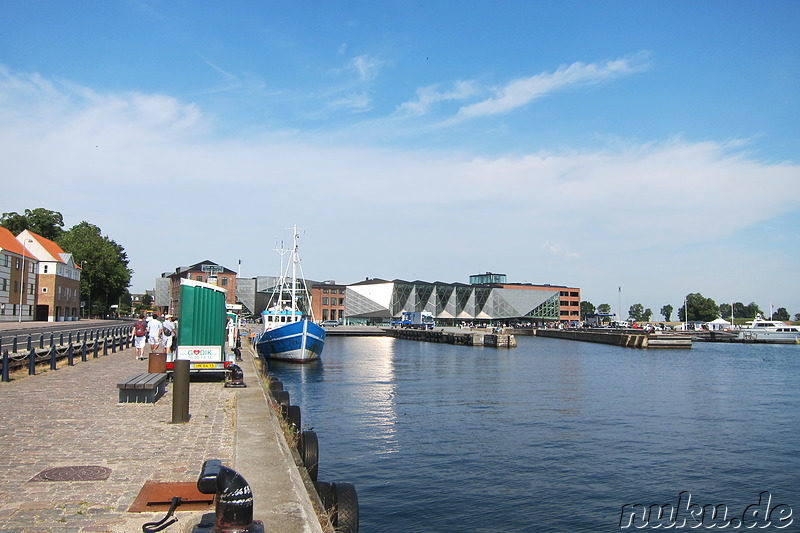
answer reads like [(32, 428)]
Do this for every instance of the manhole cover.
[(74, 473)]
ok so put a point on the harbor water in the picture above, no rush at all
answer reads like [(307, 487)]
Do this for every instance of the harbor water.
[(553, 435)]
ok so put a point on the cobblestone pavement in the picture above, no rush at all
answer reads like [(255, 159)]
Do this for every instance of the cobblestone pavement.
[(70, 417)]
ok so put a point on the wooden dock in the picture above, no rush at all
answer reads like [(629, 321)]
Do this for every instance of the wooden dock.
[(626, 338), (454, 336)]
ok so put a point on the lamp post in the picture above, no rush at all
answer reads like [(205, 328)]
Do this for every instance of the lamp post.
[(84, 305), (22, 275)]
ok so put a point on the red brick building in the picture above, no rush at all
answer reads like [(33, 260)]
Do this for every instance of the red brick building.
[(327, 301)]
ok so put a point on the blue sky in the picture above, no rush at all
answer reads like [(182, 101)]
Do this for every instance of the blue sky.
[(651, 146)]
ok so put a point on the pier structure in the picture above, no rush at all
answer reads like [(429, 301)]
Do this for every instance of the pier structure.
[(454, 336), (626, 338)]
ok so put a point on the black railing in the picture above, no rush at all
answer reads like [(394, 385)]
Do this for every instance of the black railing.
[(86, 343)]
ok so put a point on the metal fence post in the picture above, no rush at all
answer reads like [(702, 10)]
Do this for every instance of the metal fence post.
[(83, 346), (70, 361), (113, 342), (52, 353), (95, 347), (5, 366), (105, 341), (31, 358)]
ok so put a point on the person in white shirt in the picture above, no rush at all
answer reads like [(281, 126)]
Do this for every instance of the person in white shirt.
[(154, 334), (168, 331)]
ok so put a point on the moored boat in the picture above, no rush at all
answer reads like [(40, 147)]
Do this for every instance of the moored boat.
[(773, 331), (290, 333)]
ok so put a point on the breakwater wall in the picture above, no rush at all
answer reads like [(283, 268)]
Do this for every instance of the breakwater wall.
[(619, 338), (454, 336)]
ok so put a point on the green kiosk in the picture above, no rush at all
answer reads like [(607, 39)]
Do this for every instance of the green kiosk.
[(201, 329)]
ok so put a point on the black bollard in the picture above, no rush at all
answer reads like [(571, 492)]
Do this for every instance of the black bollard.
[(5, 366), (70, 354), (234, 500), (180, 392)]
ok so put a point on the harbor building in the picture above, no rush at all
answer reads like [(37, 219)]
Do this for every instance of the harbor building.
[(168, 287), (328, 301), (58, 297), (378, 301), (18, 283)]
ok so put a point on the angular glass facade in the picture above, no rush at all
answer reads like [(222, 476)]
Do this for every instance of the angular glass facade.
[(380, 301)]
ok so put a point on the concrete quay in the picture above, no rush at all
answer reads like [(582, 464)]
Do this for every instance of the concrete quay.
[(71, 417)]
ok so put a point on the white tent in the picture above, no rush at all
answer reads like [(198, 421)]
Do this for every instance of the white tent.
[(718, 324)]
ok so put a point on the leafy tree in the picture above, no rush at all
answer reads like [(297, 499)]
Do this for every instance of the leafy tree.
[(666, 312), (646, 314), (751, 310), (604, 308), (106, 275), (725, 310), (48, 224), (587, 308), (636, 312), (700, 308), (781, 314)]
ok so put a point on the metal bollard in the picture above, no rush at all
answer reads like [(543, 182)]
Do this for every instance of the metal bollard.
[(5, 366), (235, 377), (70, 354), (234, 500), (180, 391)]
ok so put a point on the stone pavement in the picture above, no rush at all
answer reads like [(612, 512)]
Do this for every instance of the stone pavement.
[(70, 417)]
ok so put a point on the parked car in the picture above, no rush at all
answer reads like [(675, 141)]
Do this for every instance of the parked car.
[(329, 323)]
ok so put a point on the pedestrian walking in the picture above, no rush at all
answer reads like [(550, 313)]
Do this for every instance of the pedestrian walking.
[(154, 334), (168, 331), (139, 335)]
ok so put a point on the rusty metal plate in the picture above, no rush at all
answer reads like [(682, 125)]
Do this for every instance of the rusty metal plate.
[(157, 497), (73, 473)]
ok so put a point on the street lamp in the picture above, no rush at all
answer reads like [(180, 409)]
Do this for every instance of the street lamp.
[(22, 275), (84, 305)]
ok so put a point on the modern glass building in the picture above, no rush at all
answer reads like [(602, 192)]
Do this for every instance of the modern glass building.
[(377, 301)]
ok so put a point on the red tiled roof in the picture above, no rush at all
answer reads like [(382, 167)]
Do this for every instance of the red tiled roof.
[(50, 247), (10, 243)]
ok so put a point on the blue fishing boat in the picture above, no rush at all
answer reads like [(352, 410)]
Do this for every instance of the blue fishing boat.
[(290, 333)]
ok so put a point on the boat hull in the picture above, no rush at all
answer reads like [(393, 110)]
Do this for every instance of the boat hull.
[(297, 342), (775, 337)]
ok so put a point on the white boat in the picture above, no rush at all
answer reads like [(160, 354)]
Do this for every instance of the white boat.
[(290, 333), (774, 331)]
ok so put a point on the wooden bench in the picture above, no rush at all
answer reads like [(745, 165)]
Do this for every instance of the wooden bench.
[(142, 388)]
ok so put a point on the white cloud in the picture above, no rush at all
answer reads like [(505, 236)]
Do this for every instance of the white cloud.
[(523, 91), (432, 94), (128, 162)]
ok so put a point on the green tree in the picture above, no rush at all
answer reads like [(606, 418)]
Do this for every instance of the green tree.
[(48, 224), (604, 309), (700, 308), (106, 275), (587, 308), (646, 314), (751, 310), (725, 310), (781, 314), (666, 312), (636, 312)]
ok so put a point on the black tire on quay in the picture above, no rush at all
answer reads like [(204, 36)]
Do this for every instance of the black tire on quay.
[(326, 496), (346, 513), (294, 418), (309, 453), (282, 398)]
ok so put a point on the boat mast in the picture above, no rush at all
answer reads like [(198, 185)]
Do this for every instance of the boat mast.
[(294, 271)]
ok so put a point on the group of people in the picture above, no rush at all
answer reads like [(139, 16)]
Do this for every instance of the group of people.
[(160, 335)]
